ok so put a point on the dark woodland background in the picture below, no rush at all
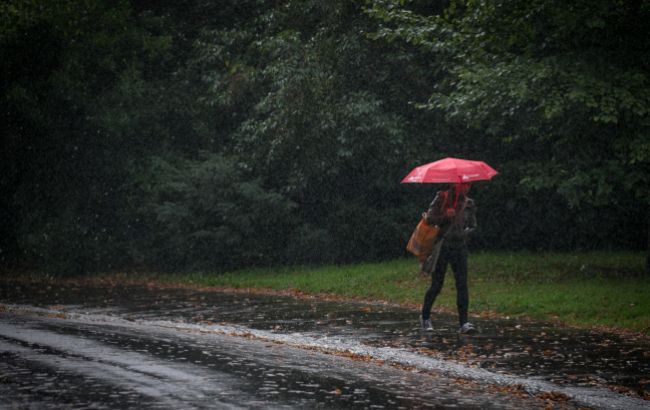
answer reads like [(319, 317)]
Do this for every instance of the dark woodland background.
[(225, 134)]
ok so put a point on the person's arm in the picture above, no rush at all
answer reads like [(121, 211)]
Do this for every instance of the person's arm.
[(434, 215)]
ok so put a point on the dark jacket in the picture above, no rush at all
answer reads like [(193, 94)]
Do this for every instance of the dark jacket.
[(454, 229)]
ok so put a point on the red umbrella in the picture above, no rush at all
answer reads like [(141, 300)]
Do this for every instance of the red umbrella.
[(450, 170)]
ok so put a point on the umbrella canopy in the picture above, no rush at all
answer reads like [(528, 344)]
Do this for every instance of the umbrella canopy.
[(450, 170)]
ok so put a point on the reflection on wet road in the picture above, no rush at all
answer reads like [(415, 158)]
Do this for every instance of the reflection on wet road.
[(139, 348), (143, 365)]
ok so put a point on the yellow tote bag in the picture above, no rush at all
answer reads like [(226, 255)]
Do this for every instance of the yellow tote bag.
[(422, 240)]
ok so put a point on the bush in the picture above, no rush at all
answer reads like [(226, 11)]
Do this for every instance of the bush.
[(208, 214), (72, 242), (363, 233), (311, 245)]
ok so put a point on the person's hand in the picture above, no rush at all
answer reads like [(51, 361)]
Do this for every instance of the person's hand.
[(450, 213)]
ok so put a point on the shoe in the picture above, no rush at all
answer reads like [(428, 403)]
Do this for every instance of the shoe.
[(467, 329), (426, 324)]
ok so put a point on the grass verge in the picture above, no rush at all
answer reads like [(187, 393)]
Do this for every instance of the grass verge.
[(595, 289)]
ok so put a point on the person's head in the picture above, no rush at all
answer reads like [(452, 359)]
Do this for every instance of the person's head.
[(462, 188)]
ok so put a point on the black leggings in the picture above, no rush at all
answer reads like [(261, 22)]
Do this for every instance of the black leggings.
[(457, 258)]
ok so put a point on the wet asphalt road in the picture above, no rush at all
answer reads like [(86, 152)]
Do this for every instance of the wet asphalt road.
[(117, 347)]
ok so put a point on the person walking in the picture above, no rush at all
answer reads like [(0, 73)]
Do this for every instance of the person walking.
[(455, 213)]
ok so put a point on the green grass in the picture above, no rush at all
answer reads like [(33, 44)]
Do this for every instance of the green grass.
[(585, 289)]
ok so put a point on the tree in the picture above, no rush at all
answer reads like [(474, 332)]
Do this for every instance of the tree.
[(318, 115), (72, 73), (567, 81)]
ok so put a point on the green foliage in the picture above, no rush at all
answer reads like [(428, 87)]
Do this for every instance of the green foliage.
[(573, 77), (314, 123), (68, 67), (569, 77), (223, 134), (313, 119), (208, 214), (311, 244)]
